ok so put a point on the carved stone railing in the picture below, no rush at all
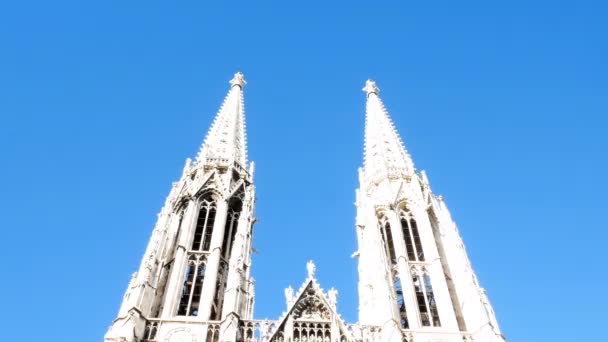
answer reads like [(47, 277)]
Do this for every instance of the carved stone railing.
[(257, 330), (361, 333), (153, 326)]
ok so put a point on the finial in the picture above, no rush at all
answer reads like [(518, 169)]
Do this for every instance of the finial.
[(370, 87), (310, 266), (289, 296), (332, 295), (238, 80)]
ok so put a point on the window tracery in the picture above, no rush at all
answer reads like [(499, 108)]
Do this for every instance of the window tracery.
[(232, 219), (425, 298), (401, 303), (204, 225), (387, 239), (413, 245), (193, 285), (218, 298)]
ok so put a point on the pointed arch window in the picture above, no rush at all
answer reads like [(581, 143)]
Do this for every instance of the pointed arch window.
[(204, 225), (193, 285), (232, 219), (430, 298), (387, 238), (425, 298), (413, 245), (401, 303), (220, 286)]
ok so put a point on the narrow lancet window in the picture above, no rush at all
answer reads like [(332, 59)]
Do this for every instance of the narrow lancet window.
[(193, 285), (419, 252), (413, 245), (407, 235), (421, 300), (218, 298), (387, 238), (426, 299), (428, 288), (230, 229), (389, 243), (204, 226), (401, 304)]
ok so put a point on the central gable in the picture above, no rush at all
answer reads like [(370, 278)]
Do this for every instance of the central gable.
[(311, 306), (311, 315)]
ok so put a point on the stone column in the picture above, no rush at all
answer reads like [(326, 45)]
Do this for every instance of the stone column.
[(213, 261)]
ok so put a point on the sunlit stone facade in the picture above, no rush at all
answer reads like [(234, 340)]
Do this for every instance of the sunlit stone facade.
[(194, 285)]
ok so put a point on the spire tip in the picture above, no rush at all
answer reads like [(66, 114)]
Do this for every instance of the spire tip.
[(238, 80), (370, 87)]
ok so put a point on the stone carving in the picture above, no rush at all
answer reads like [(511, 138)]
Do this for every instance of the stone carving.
[(332, 295), (289, 296), (311, 268)]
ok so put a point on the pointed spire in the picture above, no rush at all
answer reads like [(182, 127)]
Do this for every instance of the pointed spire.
[(226, 138), (384, 152)]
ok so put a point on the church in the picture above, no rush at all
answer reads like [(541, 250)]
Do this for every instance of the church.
[(194, 284)]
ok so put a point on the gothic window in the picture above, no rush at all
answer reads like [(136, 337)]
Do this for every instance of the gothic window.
[(426, 299), (413, 245), (401, 303), (150, 331), (232, 219), (193, 285), (204, 225), (428, 288), (387, 238), (218, 298), (420, 299)]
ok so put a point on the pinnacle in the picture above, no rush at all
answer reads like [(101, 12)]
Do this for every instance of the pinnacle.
[(238, 80), (226, 139), (370, 87), (384, 152)]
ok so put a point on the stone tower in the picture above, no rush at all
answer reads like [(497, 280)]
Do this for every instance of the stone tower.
[(194, 285), (194, 280), (415, 279)]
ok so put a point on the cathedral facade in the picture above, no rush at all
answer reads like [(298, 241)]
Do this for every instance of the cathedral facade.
[(194, 283)]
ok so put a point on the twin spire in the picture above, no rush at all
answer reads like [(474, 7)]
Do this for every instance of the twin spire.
[(384, 152)]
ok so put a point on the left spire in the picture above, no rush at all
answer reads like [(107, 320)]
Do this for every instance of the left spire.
[(227, 139)]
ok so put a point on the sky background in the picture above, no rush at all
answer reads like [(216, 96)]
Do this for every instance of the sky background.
[(504, 103)]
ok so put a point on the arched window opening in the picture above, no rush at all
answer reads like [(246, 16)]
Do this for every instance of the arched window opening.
[(193, 285), (421, 300), (204, 226), (409, 245), (428, 288), (232, 219), (218, 298), (387, 238), (401, 304), (413, 245), (414, 226), (426, 299)]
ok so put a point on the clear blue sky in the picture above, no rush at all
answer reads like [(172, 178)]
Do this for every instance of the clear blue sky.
[(503, 103)]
